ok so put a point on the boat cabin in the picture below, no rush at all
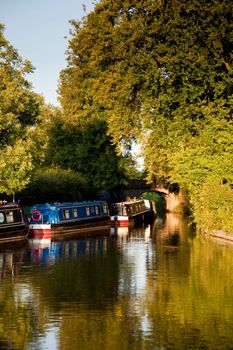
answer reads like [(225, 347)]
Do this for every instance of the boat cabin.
[(130, 209), (13, 223), (11, 215), (67, 212)]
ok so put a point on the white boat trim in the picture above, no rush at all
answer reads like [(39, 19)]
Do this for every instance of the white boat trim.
[(119, 218), (40, 226), (140, 213)]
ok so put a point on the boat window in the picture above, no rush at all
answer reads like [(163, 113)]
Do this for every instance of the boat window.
[(9, 216), (2, 218), (92, 210), (88, 211), (75, 212), (97, 210), (66, 213), (105, 208)]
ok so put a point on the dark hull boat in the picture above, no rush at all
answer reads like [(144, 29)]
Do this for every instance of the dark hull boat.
[(13, 223), (65, 220), (126, 213)]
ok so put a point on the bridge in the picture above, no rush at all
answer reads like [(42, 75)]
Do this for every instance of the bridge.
[(137, 187)]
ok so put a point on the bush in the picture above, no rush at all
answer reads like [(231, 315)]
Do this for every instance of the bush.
[(213, 207), (54, 185)]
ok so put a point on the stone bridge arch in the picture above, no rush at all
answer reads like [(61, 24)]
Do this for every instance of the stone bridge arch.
[(137, 187)]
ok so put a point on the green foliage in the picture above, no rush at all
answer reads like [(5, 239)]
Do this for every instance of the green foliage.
[(39, 134), (100, 84), (87, 150), (132, 169), (54, 185), (159, 200), (15, 167), (162, 72), (110, 62), (214, 206), (19, 106), (195, 89), (19, 110)]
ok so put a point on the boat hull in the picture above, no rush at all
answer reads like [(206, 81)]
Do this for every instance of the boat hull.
[(66, 230), (13, 234), (125, 221), (120, 220)]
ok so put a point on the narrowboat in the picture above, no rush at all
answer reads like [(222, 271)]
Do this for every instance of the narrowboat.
[(13, 223), (64, 220), (125, 213)]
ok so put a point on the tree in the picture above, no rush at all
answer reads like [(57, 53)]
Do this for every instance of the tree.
[(54, 185), (189, 132), (19, 110), (15, 166), (160, 71), (85, 150), (95, 88), (112, 66), (195, 90)]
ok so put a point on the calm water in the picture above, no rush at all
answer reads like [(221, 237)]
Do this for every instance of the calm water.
[(147, 288)]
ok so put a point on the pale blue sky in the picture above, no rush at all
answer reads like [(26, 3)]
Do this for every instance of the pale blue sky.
[(36, 28)]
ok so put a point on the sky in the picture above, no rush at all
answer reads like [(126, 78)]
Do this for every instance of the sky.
[(37, 29)]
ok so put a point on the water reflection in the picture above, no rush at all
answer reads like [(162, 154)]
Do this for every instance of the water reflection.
[(48, 252), (11, 260), (153, 287)]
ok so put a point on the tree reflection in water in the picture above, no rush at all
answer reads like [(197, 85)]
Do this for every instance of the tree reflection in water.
[(154, 287)]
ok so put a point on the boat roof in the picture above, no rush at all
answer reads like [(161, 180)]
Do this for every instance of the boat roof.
[(67, 204), (136, 201), (5, 205)]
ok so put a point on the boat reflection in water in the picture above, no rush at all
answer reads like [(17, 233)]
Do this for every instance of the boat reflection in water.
[(156, 287), (48, 252), (42, 251), (11, 259), (138, 231)]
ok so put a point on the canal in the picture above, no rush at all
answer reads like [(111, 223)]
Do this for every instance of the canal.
[(154, 287)]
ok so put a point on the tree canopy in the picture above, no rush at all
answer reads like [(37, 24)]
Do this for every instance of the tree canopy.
[(161, 72), (158, 72), (19, 110), (86, 150)]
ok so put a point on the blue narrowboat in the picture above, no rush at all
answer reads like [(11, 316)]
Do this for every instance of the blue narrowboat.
[(13, 223), (60, 220)]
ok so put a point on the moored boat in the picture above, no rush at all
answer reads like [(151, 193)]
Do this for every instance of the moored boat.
[(125, 213), (13, 223), (64, 220)]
